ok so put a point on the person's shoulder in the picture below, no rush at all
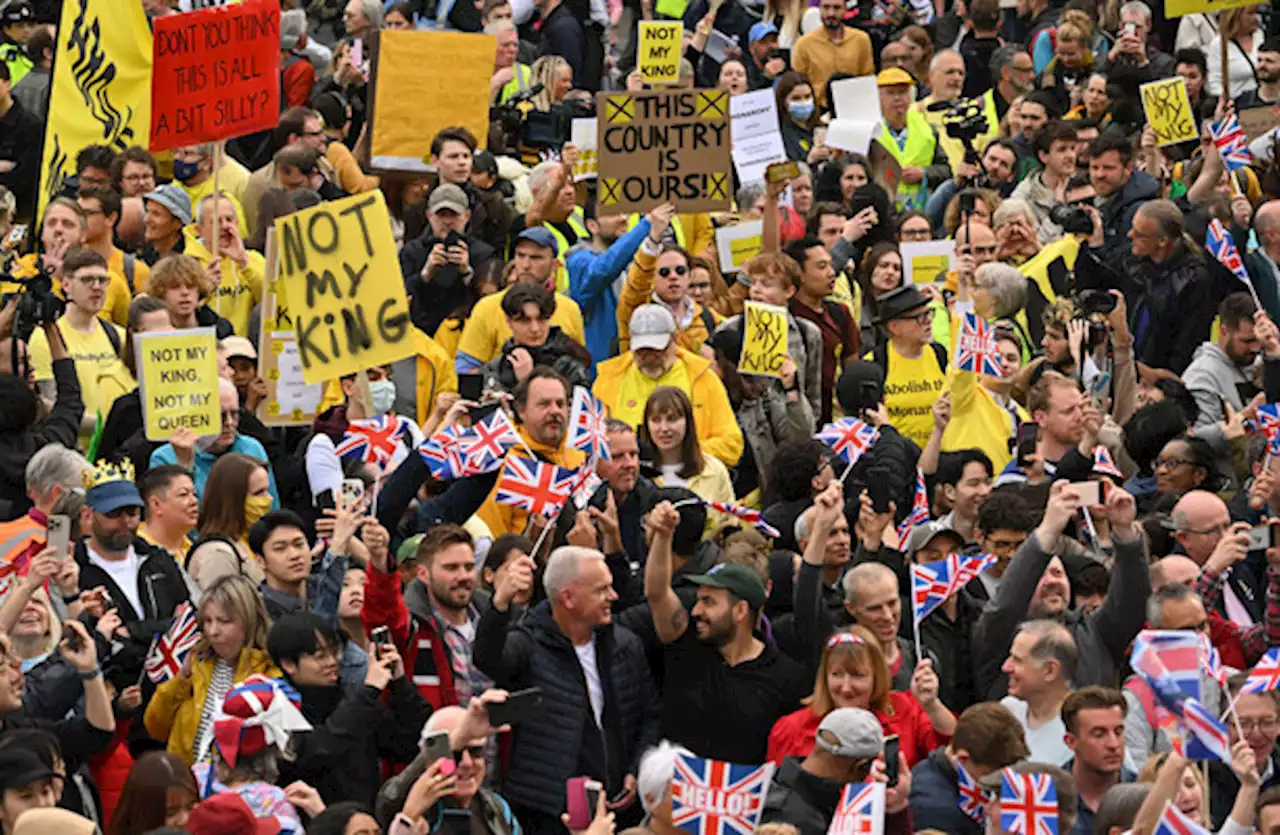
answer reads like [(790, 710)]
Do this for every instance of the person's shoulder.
[(249, 446)]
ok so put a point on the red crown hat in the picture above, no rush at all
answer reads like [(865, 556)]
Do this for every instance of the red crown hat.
[(258, 712)]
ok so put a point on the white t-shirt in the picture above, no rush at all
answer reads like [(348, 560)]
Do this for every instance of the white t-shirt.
[(595, 690), (125, 575), (671, 475), (1045, 742)]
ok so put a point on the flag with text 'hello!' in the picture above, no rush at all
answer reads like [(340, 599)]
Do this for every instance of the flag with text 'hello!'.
[(860, 811), (710, 797)]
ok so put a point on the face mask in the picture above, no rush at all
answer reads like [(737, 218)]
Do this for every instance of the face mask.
[(255, 507), (800, 110), (383, 393), (183, 171)]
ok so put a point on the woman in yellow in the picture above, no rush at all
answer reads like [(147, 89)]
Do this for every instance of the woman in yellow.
[(232, 647), (671, 437)]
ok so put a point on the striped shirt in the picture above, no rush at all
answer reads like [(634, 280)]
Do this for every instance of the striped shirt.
[(224, 675)]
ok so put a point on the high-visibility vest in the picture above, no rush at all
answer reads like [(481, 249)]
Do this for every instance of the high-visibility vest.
[(577, 221), (677, 228), (16, 58), (521, 73), (918, 152), (17, 536)]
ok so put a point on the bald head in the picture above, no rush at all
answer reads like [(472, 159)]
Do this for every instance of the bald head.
[(1199, 519), (444, 719), (1173, 569), (1267, 222)]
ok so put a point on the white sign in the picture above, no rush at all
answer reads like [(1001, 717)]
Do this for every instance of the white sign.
[(923, 262), (738, 244), (585, 135), (718, 46), (857, 114), (292, 391), (757, 140)]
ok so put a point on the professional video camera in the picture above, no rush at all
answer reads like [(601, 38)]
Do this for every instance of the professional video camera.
[(526, 131), (964, 121), (37, 304), (1074, 220)]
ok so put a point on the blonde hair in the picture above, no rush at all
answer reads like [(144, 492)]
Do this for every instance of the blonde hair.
[(544, 72), (241, 599), (1076, 27), (1231, 21), (855, 651), (178, 270)]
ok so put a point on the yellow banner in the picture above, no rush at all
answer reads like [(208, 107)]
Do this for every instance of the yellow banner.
[(764, 341), (1168, 110), (341, 275), (661, 45), (178, 382), (1178, 8), (100, 93)]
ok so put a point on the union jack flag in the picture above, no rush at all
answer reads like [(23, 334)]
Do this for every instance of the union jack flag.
[(586, 485), (1209, 737), (849, 437), (976, 348), (171, 649), (860, 812), (374, 440), (445, 460), (1104, 464), (1220, 245), (754, 518), (535, 486), (1212, 661), (919, 511), (1265, 675), (487, 443), (710, 797), (587, 430), (1173, 655), (1232, 143), (933, 582), (1173, 822), (1267, 421), (1028, 804), (973, 798)]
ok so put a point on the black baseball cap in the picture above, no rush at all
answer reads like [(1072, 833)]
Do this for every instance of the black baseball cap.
[(20, 768), (738, 579)]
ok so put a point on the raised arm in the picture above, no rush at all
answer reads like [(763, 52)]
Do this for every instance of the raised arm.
[(670, 620), (1123, 611)]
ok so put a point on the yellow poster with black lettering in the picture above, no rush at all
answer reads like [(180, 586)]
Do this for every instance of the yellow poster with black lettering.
[(1178, 8), (340, 273), (1168, 110), (661, 45), (764, 339), (100, 92), (178, 382)]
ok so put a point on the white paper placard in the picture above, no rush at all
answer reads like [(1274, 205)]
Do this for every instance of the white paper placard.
[(857, 114), (718, 46), (584, 134), (757, 140), (927, 257), (292, 391), (738, 243)]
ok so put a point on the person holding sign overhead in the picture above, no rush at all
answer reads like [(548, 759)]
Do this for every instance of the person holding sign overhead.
[(237, 273)]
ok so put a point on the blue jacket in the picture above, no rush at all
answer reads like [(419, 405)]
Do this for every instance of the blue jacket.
[(591, 277), (935, 797), (204, 461)]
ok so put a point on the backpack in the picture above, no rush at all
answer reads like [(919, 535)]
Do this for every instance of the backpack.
[(880, 356), (112, 337), (130, 263)]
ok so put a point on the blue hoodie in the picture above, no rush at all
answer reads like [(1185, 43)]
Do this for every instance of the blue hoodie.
[(591, 279)]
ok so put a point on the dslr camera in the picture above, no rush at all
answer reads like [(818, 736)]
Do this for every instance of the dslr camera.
[(1074, 220), (37, 304)]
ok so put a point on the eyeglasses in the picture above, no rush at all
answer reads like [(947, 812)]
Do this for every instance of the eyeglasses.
[(139, 178), (666, 272), (230, 415), (1264, 725), (476, 752), (95, 280), (921, 318), (120, 512), (1170, 463)]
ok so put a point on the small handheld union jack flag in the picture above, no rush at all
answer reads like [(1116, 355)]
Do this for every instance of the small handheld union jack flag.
[(1211, 661), (976, 349), (374, 440), (446, 462), (1232, 143), (587, 430), (860, 811), (1267, 421), (933, 582), (1028, 804), (1104, 464), (171, 649), (919, 511), (710, 797), (973, 798), (585, 486), (1209, 738), (1265, 675), (1220, 245), (752, 517), (849, 437), (535, 486), (487, 443), (1173, 822)]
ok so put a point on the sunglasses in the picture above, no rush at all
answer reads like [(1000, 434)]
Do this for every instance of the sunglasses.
[(476, 752), (666, 272)]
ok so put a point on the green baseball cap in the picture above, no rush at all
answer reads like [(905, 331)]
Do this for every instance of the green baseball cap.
[(408, 549), (737, 579)]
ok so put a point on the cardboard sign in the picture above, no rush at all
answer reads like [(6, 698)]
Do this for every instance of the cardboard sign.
[(661, 45), (764, 340), (672, 8), (583, 134), (340, 274), (178, 382), (738, 244), (1255, 121), (1168, 110), (664, 146), (216, 74), (290, 400), (927, 261), (1178, 8), (410, 106)]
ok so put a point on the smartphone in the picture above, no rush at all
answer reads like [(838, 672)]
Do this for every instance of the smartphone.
[(107, 602), (357, 53), (58, 533), (1090, 492), (1028, 434), (582, 797), (471, 387), (520, 706), (73, 638), (455, 822), (437, 747), (352, 491), (378, 638), (1262, 536), (891, 759), (1130, 29), (878, 489), (16, 233)]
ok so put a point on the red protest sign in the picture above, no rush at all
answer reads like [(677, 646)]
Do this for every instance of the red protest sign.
[(216, 74)]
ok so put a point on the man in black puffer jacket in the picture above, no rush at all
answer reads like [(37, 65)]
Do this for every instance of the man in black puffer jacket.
[(599, 710)]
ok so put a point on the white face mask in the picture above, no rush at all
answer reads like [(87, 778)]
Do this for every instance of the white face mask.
[(383, 394)]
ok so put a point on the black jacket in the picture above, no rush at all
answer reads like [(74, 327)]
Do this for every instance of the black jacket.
[(563, 34), (559, 352), (1175, 309), (20, 133), (564, 741), (62, 426), (50, 689), (935, 797), (809, 802), (431, 302), (1118, 212)]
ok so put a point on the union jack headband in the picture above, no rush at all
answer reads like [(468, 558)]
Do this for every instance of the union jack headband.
[(843, 638)]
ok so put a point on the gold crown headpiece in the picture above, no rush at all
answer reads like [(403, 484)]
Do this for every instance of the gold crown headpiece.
[(106, 472)]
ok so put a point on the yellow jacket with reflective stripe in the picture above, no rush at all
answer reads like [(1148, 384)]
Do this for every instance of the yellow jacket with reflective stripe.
[(578, 223), (918, 150)]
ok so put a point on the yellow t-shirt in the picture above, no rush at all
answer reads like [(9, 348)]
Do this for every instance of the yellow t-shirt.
[(180, 555), (486, 329), (103, 376), (635, 389), (115, 308), (910, 389), (240, 288), (233, 178)]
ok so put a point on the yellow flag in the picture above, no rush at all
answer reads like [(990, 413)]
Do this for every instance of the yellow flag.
[(101, 87)]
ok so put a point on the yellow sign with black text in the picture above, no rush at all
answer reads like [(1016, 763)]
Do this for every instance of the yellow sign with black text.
[(178, 382)]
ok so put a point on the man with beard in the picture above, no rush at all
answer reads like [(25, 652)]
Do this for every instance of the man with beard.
[(1267, 69), (1262, 262), (1224, 372), (834, 48), (725, 687), (1035, 586), (600, 709), (1040, 666), (1093, 718), (625, 382), (1014, 74)]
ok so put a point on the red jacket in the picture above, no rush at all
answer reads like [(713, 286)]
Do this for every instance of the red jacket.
[(793, 734), (110, 768), (425, 654)]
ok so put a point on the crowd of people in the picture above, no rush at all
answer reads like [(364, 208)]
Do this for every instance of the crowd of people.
[(255, 631)]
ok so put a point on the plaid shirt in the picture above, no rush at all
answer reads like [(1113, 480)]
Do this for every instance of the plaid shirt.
[(1255, 639), (468, 681)]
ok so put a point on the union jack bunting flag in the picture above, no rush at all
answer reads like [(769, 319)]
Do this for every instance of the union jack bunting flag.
[(587, 430), (933, 582), (860, 811), (1028, 804), (973, 798), (1104, 464), (710, 797), (1232, 143), (849, 437), (919, 511), (1265, 675), (487, 443), (585, 486), (976, 349), (752, 517), (535, 486), (171, 649), (1220, 245), (374, 440), (1211, 661), (1173, 822)]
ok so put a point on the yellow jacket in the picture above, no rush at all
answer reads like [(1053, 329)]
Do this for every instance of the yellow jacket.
[(435, 374), (503, 518), (173, 716), (718, 431), (351, 177), (977, 420), (638, 290), (486, 329), (240, 288)]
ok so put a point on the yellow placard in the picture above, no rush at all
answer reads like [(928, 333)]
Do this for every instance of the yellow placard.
[(178, 382), (781, 172), (661, 45), (340, 272), (928, 267), (764, 339), (744, 249), (1178, 8), (1168, 110)]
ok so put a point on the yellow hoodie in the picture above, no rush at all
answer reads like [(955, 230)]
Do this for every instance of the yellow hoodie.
[(624, 390), (240, 288), (503, 518), (638, 290)]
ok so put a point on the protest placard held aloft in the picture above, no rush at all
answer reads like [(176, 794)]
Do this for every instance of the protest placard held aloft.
[(178, 382)]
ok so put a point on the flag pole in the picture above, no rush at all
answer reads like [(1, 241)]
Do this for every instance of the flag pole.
[(915, 628)]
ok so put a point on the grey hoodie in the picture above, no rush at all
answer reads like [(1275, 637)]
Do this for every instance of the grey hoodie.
[(1213, 374)]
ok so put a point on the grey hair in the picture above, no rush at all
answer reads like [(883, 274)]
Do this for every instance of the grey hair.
[(1137, 7), (1119, 806), (1007, 286), (208, 198), (657, 767), (937, 57), (1166, 593), (801, 527), (1167, 217), (372, 12), (293, 25), (748, 195), (1009, 209), (864, 573), (541, 173), (1001, 58), (615, 425), (1053, 643), (563, 567), (499, 26), (55, 465)]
